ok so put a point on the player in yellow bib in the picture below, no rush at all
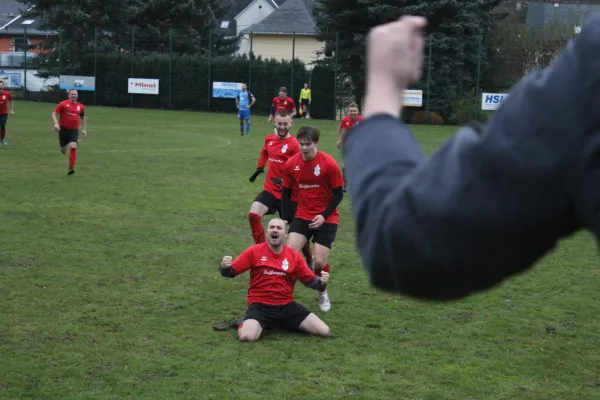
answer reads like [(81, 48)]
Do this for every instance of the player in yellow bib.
[(305, 100)]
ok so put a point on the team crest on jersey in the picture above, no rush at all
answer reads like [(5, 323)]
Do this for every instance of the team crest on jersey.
[(317, 170), (285, 102), (78, 108), (284, 148), (3, 97), (285, 265)]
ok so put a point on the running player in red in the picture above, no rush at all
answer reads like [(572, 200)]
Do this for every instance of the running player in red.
[(274, 269), (318, 181), (277, 150), (347, 123), (282, 102), (70, 113), (5, 98)]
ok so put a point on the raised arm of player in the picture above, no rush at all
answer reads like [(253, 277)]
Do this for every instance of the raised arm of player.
[(230, 268), (307, 277), (483, 207)]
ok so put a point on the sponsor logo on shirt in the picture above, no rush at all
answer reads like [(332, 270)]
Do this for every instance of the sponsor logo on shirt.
[(272, 272), (305, 186)]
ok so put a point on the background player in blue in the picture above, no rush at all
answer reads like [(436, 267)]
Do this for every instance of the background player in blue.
[(244, 101)]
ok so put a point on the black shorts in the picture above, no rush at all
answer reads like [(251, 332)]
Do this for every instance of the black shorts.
[(3, 119), (288, 317), (270, 201), (66, 136), (304, 102), (325, 235)]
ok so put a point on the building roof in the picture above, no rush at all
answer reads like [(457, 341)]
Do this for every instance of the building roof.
[(21, 25), (541, 14), (9, 9), (240, 5), (293, 16)]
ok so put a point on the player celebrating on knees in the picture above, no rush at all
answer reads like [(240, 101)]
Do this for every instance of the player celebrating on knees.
[(274, 268), (5, 98), (244, 101), (282, 102), (277, 150), (70, 112), (347, 123), (318, 181)]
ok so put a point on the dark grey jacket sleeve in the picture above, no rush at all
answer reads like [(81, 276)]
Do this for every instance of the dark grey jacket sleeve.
[(483, 207)]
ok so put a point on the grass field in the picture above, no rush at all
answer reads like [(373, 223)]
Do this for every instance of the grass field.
[(109, 286)]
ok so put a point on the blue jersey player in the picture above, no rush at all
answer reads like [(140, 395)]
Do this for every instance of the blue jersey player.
[(244, 101)]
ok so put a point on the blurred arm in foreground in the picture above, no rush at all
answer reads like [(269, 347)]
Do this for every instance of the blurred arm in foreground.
[(484, 206)]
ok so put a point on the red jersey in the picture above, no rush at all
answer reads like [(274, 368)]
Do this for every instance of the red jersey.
[(5, 97), (276, 152), (272, 276), (283, 104), (314, 181), (70, 114), (349, 123)]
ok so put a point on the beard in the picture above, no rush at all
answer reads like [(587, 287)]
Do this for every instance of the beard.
[(285, 132)]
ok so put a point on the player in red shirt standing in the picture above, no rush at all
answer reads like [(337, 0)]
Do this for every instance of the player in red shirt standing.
[(278, 148), (282, 102), (70, 112), (347, 123), (274, 268), (5, 98), (318, 181)]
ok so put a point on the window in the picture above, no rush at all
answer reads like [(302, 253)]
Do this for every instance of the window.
[(20, 43)]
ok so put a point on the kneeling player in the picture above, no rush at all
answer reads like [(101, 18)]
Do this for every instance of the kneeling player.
[(274, 269)]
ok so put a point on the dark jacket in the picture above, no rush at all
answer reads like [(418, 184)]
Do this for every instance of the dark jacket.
[(487, 205)]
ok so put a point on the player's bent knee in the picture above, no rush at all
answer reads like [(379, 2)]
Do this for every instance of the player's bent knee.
[(73, 145), (324, 330), (315, 326), (248, 336), (258, 209), (249, 331)]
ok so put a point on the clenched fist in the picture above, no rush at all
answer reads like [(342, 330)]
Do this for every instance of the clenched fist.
[(395, 51), (394, 62), (226, 262)]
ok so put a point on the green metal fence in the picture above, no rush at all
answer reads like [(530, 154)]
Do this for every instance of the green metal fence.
[(451, 88)]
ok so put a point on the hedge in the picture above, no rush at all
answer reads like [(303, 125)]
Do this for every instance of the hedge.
[(189, 85)]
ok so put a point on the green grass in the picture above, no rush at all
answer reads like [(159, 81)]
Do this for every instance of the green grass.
[(109, 286)]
